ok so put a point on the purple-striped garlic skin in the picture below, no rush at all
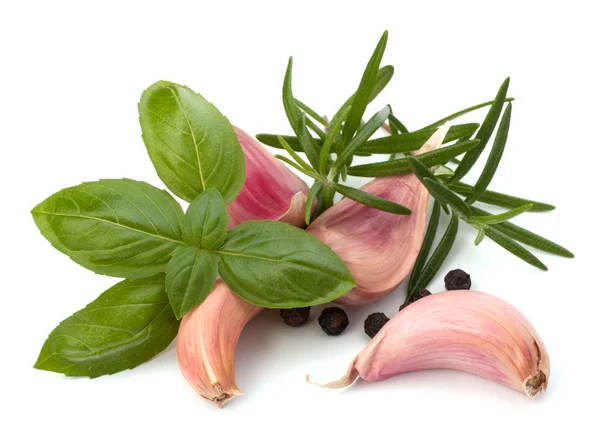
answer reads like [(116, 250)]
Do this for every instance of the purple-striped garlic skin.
[(464, 330), (207, 341), (379, 248), (271, 191)]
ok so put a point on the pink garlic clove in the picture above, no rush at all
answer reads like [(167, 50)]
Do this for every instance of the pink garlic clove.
[(271, 191), (379, 248), (464, 330), (207, 342)]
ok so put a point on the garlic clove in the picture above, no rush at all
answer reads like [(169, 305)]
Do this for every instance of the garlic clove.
[(271, 191), (207, 342), (464, 330), (378, 248)]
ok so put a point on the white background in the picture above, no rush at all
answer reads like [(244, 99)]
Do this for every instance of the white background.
[(72, 73)]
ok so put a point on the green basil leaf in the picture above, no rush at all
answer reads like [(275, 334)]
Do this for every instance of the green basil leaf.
[(191, 275), (276, 265), (362, 95), (441, 121), (446, 197), (402, 166), (412, 141), (206, 220), (371, 200), (526, 237), (439, 255), (500, 218), (484, 133), (425, 248), (124, 327), (493, 160), (499, 199), (191, 144), (121, 228), (514, 248)]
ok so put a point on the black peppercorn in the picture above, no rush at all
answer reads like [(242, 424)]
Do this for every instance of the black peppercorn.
[(457, 279), (403, 305), (295, 316), (418, 295), (374, 322), (333, 321)]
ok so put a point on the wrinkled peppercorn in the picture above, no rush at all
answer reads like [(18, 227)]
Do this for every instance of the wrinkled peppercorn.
[(374, 322), (457, 279), (295, 317), (417, 295), (333, 321)]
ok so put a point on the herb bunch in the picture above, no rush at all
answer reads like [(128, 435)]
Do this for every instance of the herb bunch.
[(331, 145)]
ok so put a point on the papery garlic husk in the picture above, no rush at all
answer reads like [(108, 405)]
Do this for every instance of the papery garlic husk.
[(207, 342), (464, 330), (379, 248), (271, 191)]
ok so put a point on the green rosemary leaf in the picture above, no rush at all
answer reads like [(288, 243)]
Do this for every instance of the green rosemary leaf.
[(412, 141), (493, 160), (273, 141), (441, 121), (397, 124), (480, 235), (363, 93), (514, 248), (314, 114), (325, 201), (334, 130), (393, 129), (297, 119), (526, 237), (315, 128), (371, 200), (443, 171), (484, 133), (296, 166), (446, 196), (426, 247), (293, 154), (402, 166), (362, 135), (501, 200), (384, 75), (344, 172), (314, 191), (500, 218), (419, 169), (439, 255)]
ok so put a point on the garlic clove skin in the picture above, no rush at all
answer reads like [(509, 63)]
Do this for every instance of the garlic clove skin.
[(464, 330), (379, 248), (207, 342), (271, 191)]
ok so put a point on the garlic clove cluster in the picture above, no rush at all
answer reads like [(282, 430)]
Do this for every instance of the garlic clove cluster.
[(463, 330)]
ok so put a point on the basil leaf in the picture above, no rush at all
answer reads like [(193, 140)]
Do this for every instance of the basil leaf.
[(192, 145), (124, 327), (276, 265), (484, 133), (412, 141), (371, 200), (499, 199), (402, 166), (206, 220), (363, 94), (191, 275), (121, 228)]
